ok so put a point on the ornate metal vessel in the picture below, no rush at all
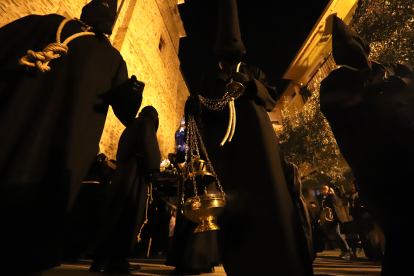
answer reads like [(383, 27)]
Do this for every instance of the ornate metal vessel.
[(198, 168), (204, 210)]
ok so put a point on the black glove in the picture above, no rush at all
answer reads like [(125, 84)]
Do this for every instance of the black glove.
[(395, 82), (248, 83), (193, 107), (129, 86), (136, 84), (242, 78), (126, 99)]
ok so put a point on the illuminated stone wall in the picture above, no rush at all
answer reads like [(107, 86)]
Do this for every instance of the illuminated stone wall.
[(141, 27)]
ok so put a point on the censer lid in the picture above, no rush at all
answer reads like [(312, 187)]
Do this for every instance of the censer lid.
[(197, 167)]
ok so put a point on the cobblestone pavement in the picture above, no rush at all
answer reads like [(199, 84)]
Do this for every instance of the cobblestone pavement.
[(327, 263)]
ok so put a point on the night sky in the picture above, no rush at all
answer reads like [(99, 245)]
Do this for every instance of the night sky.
[(272, 31)]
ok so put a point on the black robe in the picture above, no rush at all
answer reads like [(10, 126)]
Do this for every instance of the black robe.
[(85, 211), (51, 124), (259, 224), (197, 252), (373, 123), (124, 212), (295, 188)]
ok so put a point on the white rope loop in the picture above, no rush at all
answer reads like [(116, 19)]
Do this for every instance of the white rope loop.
[(52, 51), (229, 127), (233, 127)]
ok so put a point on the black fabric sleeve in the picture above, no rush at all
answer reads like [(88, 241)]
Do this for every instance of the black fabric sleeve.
[(12, 37), (335, 208), (17, 30), (405, 73), (266, 95), (147, 144), (140, 138), (342, 89), (124, 98), (330, 201), (125, 149)]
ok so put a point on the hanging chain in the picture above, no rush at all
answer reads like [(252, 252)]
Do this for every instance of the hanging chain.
[(215, 104), (194, 152), (194, 146), (184, 168), (218, 104), (209, 162), (234, 90), (193, 135)]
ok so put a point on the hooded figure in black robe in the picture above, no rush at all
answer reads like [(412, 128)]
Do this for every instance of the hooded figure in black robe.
[(84, 214), (294, 184), (261, 232), (123, 215), (370, 108), (50, 124)]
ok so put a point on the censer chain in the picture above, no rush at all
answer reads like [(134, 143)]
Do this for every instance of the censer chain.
[(208, 159), (192, 136), (193, 146)]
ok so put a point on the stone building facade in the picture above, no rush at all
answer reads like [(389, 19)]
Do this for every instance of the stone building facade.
[(147, 33)]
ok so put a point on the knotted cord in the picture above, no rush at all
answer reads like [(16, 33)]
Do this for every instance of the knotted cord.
[(149, 201), (52, 51)]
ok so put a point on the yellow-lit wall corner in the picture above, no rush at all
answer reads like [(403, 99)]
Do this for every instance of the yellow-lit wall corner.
[(137, 33)]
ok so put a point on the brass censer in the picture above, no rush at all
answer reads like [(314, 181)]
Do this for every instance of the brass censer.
[(201, 209)]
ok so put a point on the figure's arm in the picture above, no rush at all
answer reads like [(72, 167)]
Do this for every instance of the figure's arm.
[(12, 38), (126, 95), (148, 146), (16, 30), (257, 88), (265, 93), (342, 89), (404, 76)]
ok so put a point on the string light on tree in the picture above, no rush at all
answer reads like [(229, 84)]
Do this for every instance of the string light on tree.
[(306, 137)]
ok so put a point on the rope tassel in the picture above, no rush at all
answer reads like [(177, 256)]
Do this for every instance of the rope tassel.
[(234, 90), (232, 123), (233, 120), (52, 51)]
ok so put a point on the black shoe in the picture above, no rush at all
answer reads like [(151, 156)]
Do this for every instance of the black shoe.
[(122, 268), (133, 267), (186, 271), (208, 270), (96, 267)]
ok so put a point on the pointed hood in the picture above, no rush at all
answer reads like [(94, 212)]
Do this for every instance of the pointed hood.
[(348, 48), (151, 113), (100, 14), (229, 45)]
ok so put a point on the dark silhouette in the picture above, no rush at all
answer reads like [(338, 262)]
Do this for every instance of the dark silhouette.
[(51, 123)]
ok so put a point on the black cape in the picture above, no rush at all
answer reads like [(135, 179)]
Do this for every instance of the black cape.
[(51, 124), (85, 211), (259, 223), (295, 188), (372, 119), (124, 211)]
